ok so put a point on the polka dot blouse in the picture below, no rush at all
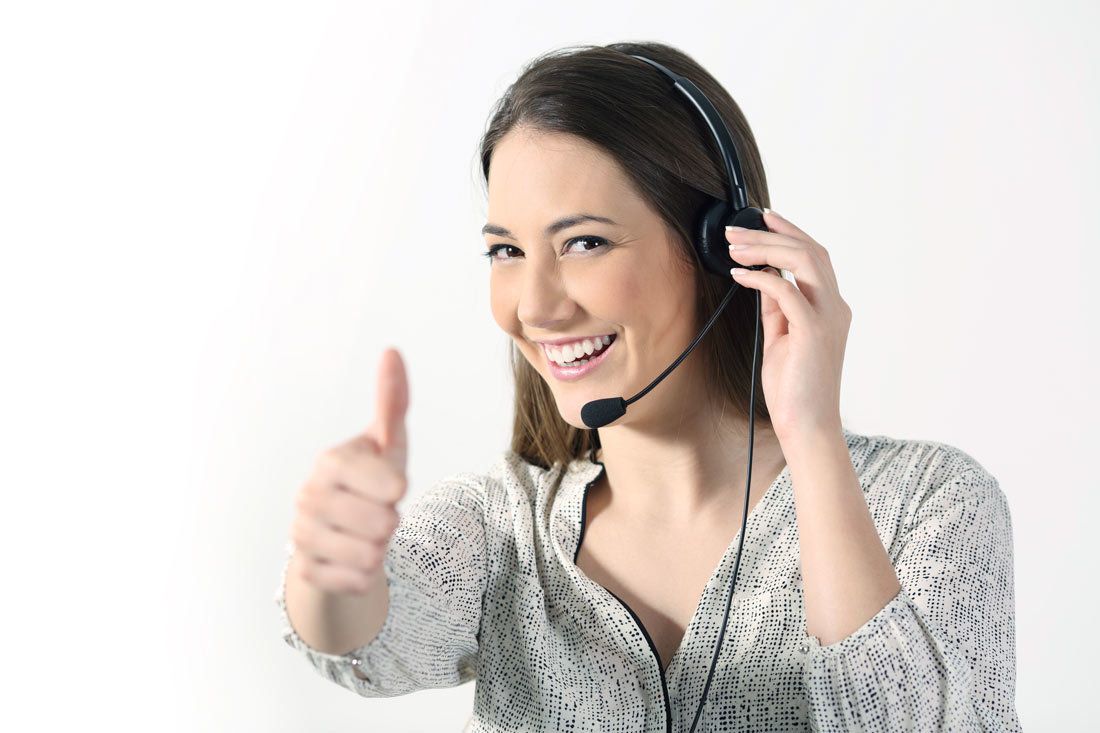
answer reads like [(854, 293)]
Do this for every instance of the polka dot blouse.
[(484, 586)]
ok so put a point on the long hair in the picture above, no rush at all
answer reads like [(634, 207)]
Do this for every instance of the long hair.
[(632, 113)]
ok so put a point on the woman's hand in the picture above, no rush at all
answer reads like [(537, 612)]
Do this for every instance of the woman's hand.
[(805, 327), (347, 508)]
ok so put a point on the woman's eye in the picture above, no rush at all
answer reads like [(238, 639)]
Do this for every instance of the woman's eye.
[(491, 253), (493, 249), (597, 240)]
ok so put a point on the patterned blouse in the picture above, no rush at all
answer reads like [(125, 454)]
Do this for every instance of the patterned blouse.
[(484, 586)]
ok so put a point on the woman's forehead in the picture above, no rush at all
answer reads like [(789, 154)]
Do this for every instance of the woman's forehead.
[(540, 182)]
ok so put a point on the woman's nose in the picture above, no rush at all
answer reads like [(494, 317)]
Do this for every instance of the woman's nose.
[(544, 300)]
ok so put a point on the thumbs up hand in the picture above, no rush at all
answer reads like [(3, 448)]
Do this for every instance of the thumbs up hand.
[(346, 511)]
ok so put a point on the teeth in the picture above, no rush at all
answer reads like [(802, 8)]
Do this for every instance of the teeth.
[(572, 352)]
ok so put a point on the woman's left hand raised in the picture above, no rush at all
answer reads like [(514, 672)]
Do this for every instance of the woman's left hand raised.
[(805, 327)]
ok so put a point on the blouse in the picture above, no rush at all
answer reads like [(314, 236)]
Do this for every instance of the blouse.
[(484, 586)]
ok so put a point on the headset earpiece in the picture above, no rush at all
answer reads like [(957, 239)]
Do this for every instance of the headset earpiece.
[(710, 239), (749, 217)]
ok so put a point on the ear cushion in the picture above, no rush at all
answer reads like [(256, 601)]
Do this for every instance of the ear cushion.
[(710, 240), (749, 217)]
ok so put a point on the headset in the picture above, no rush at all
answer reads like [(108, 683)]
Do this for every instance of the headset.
[(712, 247)]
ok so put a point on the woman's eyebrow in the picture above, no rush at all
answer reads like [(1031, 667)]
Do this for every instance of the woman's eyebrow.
[(563, 223)]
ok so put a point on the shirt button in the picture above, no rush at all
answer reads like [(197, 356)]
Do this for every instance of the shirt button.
[(805, 648), (357, 671)]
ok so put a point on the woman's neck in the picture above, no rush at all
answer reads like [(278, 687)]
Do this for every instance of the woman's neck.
[(675, 476)]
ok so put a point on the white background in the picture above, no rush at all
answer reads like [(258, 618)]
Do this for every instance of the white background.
[(215, 215)]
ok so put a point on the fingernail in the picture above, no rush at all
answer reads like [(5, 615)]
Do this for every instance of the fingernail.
[(737, 271), (729, 227)]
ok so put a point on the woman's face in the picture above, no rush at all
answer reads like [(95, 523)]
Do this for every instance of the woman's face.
[(588, 279)]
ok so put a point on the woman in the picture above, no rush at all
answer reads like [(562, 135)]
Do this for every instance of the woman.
[(582, 579)]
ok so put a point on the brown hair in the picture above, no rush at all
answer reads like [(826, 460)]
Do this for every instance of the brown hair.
[(632, 113)]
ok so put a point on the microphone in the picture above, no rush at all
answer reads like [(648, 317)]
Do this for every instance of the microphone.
[(598, 413)]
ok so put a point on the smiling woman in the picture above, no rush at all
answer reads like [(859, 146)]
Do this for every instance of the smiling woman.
[(586, 274), (583, 579), (599, 222)]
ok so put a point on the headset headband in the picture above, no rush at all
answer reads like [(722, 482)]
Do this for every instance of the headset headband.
[(717, 127)]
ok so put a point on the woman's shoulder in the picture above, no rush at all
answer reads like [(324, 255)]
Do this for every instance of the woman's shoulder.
[(507, 479), (909, 474), (528, 485), (922, 460)]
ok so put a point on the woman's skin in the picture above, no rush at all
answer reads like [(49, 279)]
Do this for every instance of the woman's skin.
[(672, 497)]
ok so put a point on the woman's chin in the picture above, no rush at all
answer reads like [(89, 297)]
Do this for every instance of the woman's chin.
[(571, 413)]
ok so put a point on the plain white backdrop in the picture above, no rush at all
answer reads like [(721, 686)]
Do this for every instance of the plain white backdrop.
[(216, 215)]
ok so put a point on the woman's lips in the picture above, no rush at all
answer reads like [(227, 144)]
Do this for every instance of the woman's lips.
[(570, 374)]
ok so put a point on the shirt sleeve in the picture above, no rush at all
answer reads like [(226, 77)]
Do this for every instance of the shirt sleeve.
[(435, 568), (941, 655)]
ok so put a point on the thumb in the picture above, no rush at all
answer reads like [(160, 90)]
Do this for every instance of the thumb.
[(391, 404)]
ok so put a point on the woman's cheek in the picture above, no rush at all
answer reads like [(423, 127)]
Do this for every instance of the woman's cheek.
[(504, 312), (615, 291)]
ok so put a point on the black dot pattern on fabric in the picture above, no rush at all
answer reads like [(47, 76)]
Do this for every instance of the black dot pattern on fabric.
[(484, 586)]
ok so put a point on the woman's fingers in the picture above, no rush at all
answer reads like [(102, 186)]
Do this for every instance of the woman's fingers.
[(337, 578), (350, 513), (356, 466), (346, 510), (806, 261), (322, 542), (776, 223)]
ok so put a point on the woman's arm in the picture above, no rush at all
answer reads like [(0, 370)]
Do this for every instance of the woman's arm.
[(435, 568), (336, 623), (940, 654), (847, 577)]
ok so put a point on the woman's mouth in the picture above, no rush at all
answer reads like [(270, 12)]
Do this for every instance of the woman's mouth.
[(581, 366)]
